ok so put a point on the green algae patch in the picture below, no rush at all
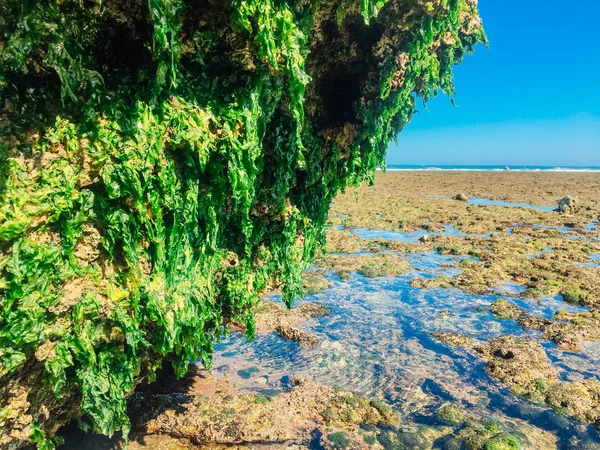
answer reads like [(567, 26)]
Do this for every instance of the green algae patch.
[(451, 414), (484, 434), (575, 296), (338, 440), (503, 441)]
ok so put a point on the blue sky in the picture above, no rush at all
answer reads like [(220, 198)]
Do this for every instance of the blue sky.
[(533, 98)]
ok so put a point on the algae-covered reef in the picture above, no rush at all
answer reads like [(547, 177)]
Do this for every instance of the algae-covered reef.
[(162, 162)]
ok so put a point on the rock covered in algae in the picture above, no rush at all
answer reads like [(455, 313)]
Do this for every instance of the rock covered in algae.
[(381, 265), (453, 338), (518, 361), (246, 419), (274, 317), (522, 363), (567, 330), (163, 162)]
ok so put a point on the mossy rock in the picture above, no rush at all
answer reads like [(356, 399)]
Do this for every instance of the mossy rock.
[(451, 414), (574, 296), (503, 441)]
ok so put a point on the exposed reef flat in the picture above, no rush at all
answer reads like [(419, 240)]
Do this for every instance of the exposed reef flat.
[(547, 252)]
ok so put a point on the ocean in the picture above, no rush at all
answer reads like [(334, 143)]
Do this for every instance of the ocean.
[(433, 167)]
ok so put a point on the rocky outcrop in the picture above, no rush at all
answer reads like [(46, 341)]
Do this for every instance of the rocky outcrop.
[(522, 363), (567, 205)]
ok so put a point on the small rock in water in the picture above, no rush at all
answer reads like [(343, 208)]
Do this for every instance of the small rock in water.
[(506, 168), (452, 338), (425, 238), (566, 204), (461, 197), (451, 414)]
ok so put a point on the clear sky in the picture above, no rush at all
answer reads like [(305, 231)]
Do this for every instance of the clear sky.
[(533, 98)]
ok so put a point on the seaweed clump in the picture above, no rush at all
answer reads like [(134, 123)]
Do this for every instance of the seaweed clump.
[(163, 162)]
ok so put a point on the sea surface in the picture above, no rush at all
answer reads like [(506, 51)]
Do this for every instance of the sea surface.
[(496, 168)]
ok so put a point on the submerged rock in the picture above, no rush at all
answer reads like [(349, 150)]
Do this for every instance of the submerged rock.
[(474, 433), (451, 414)]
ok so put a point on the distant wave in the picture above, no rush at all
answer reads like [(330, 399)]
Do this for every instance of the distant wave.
[(393, 167)]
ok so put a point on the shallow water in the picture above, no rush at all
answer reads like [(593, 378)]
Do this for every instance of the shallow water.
[(552, 227), (413, 236), (487, 201), (377, 342), (538, 254)]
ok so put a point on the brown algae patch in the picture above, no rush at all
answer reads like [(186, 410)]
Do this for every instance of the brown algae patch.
[(567, 330), (273, 317), (523, 364)]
